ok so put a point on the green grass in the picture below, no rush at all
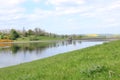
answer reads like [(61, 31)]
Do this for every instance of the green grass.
[(100, 62), (37, 38)]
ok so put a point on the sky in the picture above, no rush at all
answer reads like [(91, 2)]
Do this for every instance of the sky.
[(62, 16)]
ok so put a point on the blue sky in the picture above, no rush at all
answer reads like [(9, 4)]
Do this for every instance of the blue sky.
[(62, 16)]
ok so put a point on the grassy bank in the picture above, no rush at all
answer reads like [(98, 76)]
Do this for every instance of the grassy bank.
[(38, 38), (101, 62)]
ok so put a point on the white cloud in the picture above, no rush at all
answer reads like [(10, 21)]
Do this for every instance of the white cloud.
[(71, 10), (39, 14), (88, 14), (36, 1), (61, 2), (70, 20), (11, 10), (115, 5), (10, 3), (105, 12)]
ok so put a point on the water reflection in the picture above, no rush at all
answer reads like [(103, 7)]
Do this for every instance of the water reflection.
[(38, 47), (19, 53), (3, 45)]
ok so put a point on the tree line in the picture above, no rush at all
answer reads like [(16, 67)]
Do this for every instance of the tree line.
[(13, 34)]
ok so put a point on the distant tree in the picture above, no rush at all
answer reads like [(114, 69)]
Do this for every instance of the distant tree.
[(36, 30), (39, 32), (14, 34), (1, 36), (30, 32), (25, 34)]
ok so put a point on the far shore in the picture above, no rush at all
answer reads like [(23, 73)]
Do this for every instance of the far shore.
[(32, 41), (100, 39), (85, 39)]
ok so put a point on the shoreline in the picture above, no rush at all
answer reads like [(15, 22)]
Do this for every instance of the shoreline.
[(32, 41), (88, 39)]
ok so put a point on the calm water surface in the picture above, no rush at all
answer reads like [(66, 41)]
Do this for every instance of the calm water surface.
[(17, 53)]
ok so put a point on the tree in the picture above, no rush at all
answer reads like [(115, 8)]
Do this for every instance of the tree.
[(39, 32), (24, 32), (1, 36), (30, 32), (13, 34)]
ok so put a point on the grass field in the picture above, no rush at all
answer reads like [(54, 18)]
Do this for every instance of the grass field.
[(100, 62), (38, 38)]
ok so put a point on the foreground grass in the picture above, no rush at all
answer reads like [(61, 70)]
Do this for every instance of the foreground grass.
[(100, 62)]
